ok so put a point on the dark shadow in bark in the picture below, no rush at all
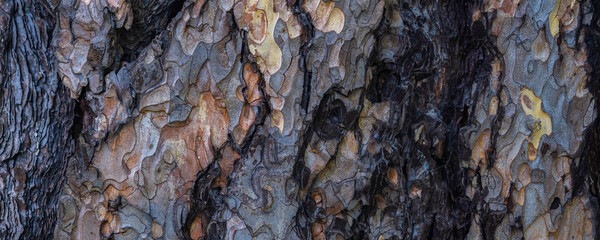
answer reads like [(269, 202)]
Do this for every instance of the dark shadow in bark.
[(442, 211), (150, 18), (586, 172)]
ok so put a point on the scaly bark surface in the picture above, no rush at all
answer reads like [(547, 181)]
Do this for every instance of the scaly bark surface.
[(299, 119), (35, 121)]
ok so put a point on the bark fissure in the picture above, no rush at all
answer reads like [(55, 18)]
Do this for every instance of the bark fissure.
[(587, 169)]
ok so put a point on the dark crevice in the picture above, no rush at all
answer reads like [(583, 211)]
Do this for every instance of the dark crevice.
[(264, 109), (79, 118), (301, 173), (150, 18), (408, 82), (308, 33), (586, 170), (328, 122), (331, 120), (204, 203), (206, 199)]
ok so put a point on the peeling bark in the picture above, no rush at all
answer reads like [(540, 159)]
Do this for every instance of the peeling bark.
[(299, 119)]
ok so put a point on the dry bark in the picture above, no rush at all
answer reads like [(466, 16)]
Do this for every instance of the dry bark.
[(35, 122), (299, 119)]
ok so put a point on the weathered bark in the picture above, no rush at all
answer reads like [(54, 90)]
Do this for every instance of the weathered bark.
[(299, 119), (35, 123)]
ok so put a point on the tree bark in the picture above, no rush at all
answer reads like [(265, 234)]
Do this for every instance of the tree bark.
[(299, 119), (35, 123)]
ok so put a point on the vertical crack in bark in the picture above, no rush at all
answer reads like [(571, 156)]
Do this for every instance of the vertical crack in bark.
[(587, 169), (205, 200), (264, 109), (307, 36), (207, 197), (300, 172)]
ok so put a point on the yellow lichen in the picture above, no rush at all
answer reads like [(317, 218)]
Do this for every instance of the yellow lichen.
[(480, 148), (325, 16), (262, 28), (258, 26), (532, 105), (553, 19), (335, 22), (277, 120), (321, 15), (560, 8)]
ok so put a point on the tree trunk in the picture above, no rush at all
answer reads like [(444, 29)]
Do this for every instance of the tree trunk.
[(299, 119), (35, 122)]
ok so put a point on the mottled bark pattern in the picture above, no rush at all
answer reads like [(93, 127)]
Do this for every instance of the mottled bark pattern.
[(534, 116), (299, 119)]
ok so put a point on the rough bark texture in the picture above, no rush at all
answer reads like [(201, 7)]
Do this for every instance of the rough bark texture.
[(299, 119), (35, 122)]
